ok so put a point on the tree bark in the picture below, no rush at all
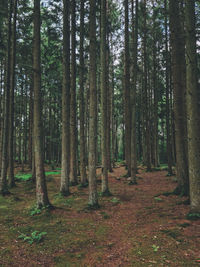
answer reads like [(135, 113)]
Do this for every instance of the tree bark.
[(81, 101), (41, 189), (11, 178), (65, 161), (168, 110), (133, 93), (73, 127), (6, 111), (193, 120), (178, 78), (93, 197), (104, 88), (127, 109)]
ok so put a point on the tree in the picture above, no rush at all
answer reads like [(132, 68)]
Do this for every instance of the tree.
[(193, 120), (104, 149), (4, 163), (64, 187), (167, 83), (11, 178), (127, 111), (41, 188), (73, 128), (178, 79), (133, 93), (93, 197), (146, 102), (81, 101)]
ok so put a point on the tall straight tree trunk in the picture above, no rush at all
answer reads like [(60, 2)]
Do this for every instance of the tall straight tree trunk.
[(65, 161), (178, 73), (73, 128), (81, 100), (41, 189), (146, 104), (168, 125), (193, 120), (127, 109), (6, 111), (104, 88), (109, 95), (11, 178), (133, 92), (155, 150), (93, 197)]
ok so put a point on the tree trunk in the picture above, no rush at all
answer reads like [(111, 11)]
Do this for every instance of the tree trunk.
[(73, 128), (168, 125), (41, 189), (133, 93), (193, 120), (178, 73), (104, 88), (146, 104), (93, 197), (65, 161), (11, 178), (127, 109), (6, 111), (81, 101)]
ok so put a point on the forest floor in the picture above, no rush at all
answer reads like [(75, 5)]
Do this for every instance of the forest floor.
[(136, 226)]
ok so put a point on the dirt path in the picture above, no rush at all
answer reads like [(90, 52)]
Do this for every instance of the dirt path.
[(136, 226)]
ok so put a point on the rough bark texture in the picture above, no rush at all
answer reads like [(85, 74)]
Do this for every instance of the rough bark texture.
[(146, 104), (65, 160), (168, 110), (178, 79), (133, 93), (11, 178), (193, 120), (127, 110), (103, 84), (41, 189), (6, 111), (93, 197), (73, 128), (81, 101)]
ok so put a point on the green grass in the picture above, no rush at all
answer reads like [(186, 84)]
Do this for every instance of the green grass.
[(27, 176)]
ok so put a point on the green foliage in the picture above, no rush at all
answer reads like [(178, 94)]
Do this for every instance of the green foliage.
[(193, 216), (35, 210), (27, 176), (23, 176), (52, 173), (155, 248), (35, 236), (158, 199)]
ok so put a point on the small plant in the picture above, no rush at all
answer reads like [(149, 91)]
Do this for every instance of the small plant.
[(158, 199), (35, 236), (155, 248), (35, 210)]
